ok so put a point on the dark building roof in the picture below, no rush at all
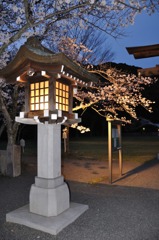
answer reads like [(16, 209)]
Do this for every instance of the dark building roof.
[(146, 52), (149, 72)]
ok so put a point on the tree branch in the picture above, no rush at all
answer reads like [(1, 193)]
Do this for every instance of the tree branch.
[(34, 24)]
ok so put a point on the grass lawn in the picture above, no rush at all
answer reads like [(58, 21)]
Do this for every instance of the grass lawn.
[(138, 148), (135, 148)]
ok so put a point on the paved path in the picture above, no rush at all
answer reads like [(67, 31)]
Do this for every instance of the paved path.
[(126, 210), (93, 172), (134, 173)]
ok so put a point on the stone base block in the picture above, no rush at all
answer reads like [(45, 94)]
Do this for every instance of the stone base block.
[(49, 201), (52, 225)]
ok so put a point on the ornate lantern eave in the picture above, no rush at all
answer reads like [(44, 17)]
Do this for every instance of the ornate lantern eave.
[(59, 63), (34, 62)]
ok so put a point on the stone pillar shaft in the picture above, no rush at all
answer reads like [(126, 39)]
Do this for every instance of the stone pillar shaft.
[(49, 150)]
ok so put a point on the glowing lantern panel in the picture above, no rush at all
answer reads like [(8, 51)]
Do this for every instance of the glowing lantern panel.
[(39, 96), (62, 96)]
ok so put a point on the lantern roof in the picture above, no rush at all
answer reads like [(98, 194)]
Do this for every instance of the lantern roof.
[(35, 56)]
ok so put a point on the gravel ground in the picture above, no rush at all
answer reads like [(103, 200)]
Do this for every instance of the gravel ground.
[(115, 212)]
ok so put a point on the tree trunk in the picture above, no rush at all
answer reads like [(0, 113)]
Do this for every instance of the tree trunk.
[(13, 154), (2, 129), (13, 166)]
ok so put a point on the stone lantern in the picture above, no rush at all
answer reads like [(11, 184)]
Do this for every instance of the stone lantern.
[(49, 80)]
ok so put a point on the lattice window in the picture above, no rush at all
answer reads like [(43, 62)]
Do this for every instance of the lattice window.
[(39, 95), (62, 96)]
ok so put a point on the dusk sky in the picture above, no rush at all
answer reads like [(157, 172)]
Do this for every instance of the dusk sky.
[(145, 31)]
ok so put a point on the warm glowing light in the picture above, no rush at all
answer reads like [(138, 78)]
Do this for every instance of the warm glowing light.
[(46, 91), (62, 96), (41, 99), (39, 95), (37, 106), (41, 84), (41, 91), (32, 107), (32, 94), (32, 86), (46, 84), (46, 106)]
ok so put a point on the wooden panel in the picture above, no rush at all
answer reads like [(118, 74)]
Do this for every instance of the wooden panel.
[(39, 113)]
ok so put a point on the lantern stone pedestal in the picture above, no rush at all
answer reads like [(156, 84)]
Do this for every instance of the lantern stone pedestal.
[(49, 208), (49, 186)]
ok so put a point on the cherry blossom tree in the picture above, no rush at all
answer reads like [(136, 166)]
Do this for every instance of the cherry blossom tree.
[(86, 46), (117, 92), (21, 19)]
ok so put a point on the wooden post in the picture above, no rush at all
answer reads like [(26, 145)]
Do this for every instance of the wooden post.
[(110, 150), (120, 150)]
